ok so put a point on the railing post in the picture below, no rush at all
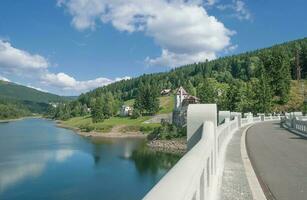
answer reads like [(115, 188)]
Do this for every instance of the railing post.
[(262, 116), (239, 121), (196, 116)]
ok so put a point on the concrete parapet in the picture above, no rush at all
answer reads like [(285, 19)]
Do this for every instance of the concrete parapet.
[(196, 116), (223, 115)]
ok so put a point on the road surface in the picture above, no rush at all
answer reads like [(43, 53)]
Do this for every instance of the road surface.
[(280, 160)]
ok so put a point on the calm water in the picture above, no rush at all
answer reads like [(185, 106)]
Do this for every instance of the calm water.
[(40, 161)]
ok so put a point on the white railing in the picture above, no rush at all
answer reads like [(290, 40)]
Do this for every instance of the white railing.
[(296, 121), (197, 173)]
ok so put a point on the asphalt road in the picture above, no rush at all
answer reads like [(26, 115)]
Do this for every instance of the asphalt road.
[(280, 160)]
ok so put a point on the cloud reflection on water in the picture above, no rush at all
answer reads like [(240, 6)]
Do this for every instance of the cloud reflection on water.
[(18, 168)]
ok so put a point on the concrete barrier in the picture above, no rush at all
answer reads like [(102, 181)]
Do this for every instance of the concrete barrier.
[(198, 172), (296, 121)]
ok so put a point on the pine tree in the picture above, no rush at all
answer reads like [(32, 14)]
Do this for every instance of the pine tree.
[(206, 91), (147, 99), (264, 93), (108, 106), (97, 111)]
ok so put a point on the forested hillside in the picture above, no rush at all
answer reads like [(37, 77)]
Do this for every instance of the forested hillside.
[(257, 81), (12, 109), (18, 101), (23, 93)]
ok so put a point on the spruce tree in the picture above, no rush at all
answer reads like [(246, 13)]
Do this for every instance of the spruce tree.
[(97, 111)]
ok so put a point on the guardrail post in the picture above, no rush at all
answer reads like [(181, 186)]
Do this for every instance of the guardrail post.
[(262, 116), (239, 121)]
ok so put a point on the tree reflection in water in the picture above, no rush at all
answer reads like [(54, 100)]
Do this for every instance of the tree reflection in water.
[(150, 161)]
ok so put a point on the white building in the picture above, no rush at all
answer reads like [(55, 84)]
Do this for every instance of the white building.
[(125, 111), (181, 95), (182, 100)]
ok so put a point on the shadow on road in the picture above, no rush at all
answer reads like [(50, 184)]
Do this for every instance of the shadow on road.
[(298, 138)]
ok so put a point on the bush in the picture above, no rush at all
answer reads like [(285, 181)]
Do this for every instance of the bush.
[(146, 129), (167, 132), (136, 114), (86, 127)]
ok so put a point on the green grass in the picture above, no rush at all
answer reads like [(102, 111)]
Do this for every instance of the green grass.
[(128, 124), (106, 126), (166, 104)]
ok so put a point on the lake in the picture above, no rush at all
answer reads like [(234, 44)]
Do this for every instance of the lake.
[(41, 161)]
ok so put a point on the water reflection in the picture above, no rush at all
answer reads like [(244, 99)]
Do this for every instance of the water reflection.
[(41, 161), (149, 161), (17, 168)]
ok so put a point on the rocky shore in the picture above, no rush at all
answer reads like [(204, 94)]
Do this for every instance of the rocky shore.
[(177, 146)]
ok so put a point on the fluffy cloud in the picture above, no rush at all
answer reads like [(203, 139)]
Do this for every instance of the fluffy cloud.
[(22, 63), (68, 83), (19, 61), (183, 28)]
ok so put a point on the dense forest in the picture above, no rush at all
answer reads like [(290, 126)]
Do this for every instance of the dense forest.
[(12, 109), (257, 81), (19, 101)]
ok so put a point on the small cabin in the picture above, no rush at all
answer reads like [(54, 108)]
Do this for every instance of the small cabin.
[(125, 111)]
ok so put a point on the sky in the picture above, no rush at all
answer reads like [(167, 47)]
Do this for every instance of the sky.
[(68, 47)]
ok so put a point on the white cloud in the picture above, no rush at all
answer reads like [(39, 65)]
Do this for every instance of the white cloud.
[(19, 61), (2, 78), (239, 7), (173, 60), (242, 11), (210, 2), (66, 82), (22, 63), (183, 28)]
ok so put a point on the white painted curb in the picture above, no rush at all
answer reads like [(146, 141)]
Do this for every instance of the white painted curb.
[(253, 182)]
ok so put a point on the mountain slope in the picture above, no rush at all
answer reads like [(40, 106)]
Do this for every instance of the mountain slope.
[(223, 69), (277, 64), (25, 98), (19, 92)]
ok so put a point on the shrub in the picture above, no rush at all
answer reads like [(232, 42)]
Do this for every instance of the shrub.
[(167, 132), (86, 127)]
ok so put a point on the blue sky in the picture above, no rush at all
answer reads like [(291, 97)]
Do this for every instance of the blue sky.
[(72, 46)]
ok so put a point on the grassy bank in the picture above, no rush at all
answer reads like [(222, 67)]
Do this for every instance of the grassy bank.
[(166, 104), (125, 124)]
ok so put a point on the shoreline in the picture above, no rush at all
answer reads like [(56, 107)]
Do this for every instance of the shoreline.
[(174, 146), (106, 135), (18, 119)]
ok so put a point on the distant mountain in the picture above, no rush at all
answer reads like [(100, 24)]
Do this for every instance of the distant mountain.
[(36, 101), (23, 93)]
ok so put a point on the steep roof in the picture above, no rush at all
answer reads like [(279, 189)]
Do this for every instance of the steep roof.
[(182, 91)]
